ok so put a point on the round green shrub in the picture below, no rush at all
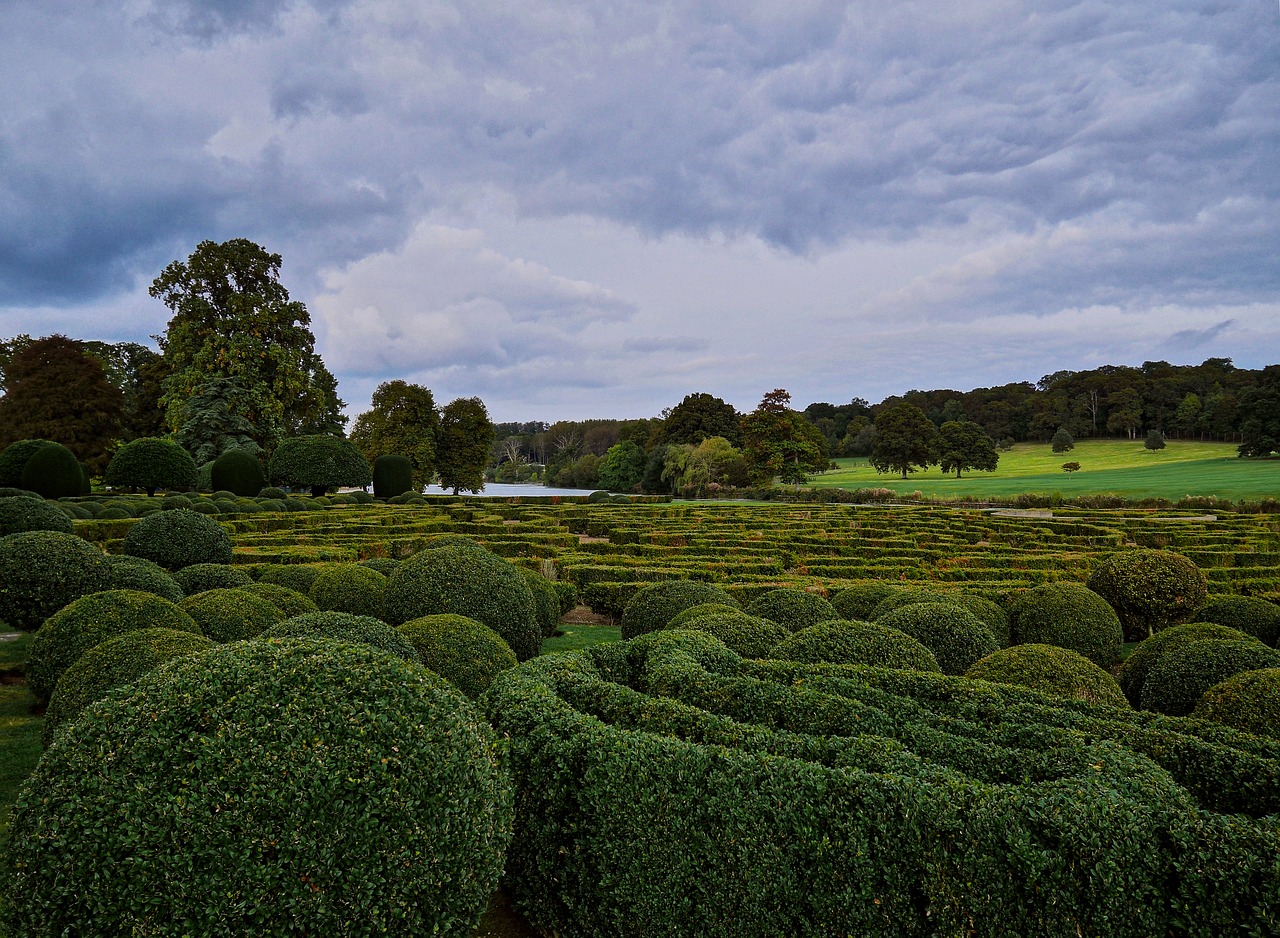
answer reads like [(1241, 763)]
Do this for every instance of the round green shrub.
[(32, 514), (114, 513), (206, 507), (290, 602), (470, 582), (177, 539), (290, 787), (151, 463), (273, 492), (1058, 672), (1149, 589), (229, 615), (134, 573), (210, 576), (75, 512), (174, 501), (238, 471), (793, 609), (1251, 614), (42, 571), (296, 576), (7, 492), (899, 598), (744, 634), (991, 614), (567, 593), (848, 641), (318, 462), (345, 627), (1068, 615), (694, 612), (384, 565), (546, 601), (1248, 701), (349, 587), (114, 663), (1133, 673), (859, 602), (463, 651), (956, 636), (392, 476), (53, 472), (653, 606), (89, 621), (1178, 680), (13, 459)]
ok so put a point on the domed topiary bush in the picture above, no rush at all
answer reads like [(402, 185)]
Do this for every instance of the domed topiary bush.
[(290, 787), (349, 587), (744, 634), (1178, 680), (991, 614), (470, 582), (238, 471), (89, 621), (899, 598), (53, 471), (847, 641), (546, 601), (210, 576), (466, 653), (653, 606), (956, 636), (177, 539), (230, 615), (134, 573), (42, 571), (1133, 673), (858, 602), (274, 493), (31, 514), (296, 576), (384, 565), (13, 459), (1051, 670), (793, 609), (318, 462), (290, 602), (151, 463), (1248, 701), (392, 476), (345, 627), (1149, 589), (1068, 615), (111, 664), (1250, 614), (695, 612)]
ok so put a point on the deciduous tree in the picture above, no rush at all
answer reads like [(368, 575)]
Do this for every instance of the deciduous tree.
[(403, 421), (905, 440), (964, 445), (464, 439), (622, 468), (698, 417), (778, 442)]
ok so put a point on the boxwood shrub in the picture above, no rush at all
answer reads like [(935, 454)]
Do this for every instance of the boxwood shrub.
[(956, 636), (384, 565), (344, 627), (392, 475), (793, 609), (209, 576), (1058, 672), (1149, 589), (1178, 680), (53, 471), (747, 635), (693, 612), (238, 471), (291, 787), (900, 597), (1251, 614), (1248, 701), (230, 615), (1133, 673), (546, 601), (848, 641), (13, 459), (42, 571), (177, 539), (135, 573), (91, 620), (151, 463), (296, 576), (290, 602), (1068, 615), (858, 602), (349, 587), (31, 514), (653, 606), (466, 653)]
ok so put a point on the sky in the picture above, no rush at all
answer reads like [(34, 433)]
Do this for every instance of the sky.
[(579, 209)]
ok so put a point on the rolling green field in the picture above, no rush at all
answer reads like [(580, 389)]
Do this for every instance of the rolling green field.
[(1123, 467)]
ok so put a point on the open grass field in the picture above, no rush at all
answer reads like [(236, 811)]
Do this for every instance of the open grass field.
[(1123, 467)]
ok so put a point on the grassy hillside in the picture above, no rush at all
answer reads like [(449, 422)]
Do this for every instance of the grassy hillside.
[(1124, 467)]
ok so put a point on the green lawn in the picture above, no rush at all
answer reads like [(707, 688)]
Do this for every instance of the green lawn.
[(1123, 467)]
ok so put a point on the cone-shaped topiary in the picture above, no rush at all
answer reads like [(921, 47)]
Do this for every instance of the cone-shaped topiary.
[(653, 606), (1058, 672), (847, 641), (151, 463), (793, 609), (31, 514), (177, 539), (229, 615), (42, 571), (134, 573), (392, 476), (238, 471), (744, 634), (1248, 701), (345, 627), (1176, 682), (1068, 615), (349, 587), (1133, 673), (1149, 589), (956, 636), (1251, 614), (465, 652), (53, 472)]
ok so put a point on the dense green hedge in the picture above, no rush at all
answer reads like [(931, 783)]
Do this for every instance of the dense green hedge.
[(229, 615), (745, 634), (858, 602), (344, 627), (42, 571), (1051, 670), (54, 472), (290, 602), (151, 463), (31, 514), (135, 573), (956, 637), (653, 606), (1249, 614), (179, 538), (844, 641), (210, 576), (296, 576), (1179, 678), (1136, 667), (546, 601), (238, 471), (465, 652), (793, 609), (1248, 701), (1149, 589), (667, 787), (351, 588), (290, 787), (1068, 615)]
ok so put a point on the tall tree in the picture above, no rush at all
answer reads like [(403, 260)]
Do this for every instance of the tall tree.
[(8, 349), (698, 417), (779, 442), (1260, 416), (964, 445), (623, 467), (213, 420), (905, 439), (402, 422), (465, 437)]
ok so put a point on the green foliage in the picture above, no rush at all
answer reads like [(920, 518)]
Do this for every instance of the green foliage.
[(793, 609), (114, 663), (392, 475), (209, 576), (384, 565), (273, 493), (1063, 441), (42, 571), (778, 442), (905, 440), (151, 463), (859, 602), (135, 573), (213, 422), (326, 789), (289, 601), (623, 467), (404, 421), (1149, 589), (1250, 614), (1136, 667), (897, 598), (747, 635), (1154, 440), (956, 637), (344, 627), (698, 471), (53, 472), (693, 612), (463, 443), (239, 471), (991, 614), (31, 514), (699, 417), (1259, 411), (652, 607), (1068, 615), (1051, 670), (844, 641), (466, 581), (466, 653), (567, 594), (1180, 677), (964, 445), (229, 615), (13, 459), (177, 539), (350, 588), (296, 576), (546, 602), (318, 462), (89, 621), (1248, 701)]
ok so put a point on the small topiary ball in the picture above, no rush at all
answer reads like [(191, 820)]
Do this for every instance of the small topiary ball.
[(290, 602), (991, 614), (858, 602), (345, 627), (653, 606), (466, 581), (273, 492), (899, 598), (1149, 589), (42, 571), (89, 621), (134, 573), (349, 587), (847, 641), (956, 636), (114, 663), (31, 514), (793, 609), (1177, 681), (1248, 701), (177, 539), (239, 472), (1250, 614), (1068, 615), (463, 651), (286, 787), (1051, 670), (695, 612), (1133, 673), (296, 576), (744, 634), (230, 615), (546, 601), (384, 565), (210, 576)]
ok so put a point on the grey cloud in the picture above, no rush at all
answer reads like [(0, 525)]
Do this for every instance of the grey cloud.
[(1187, 340)]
